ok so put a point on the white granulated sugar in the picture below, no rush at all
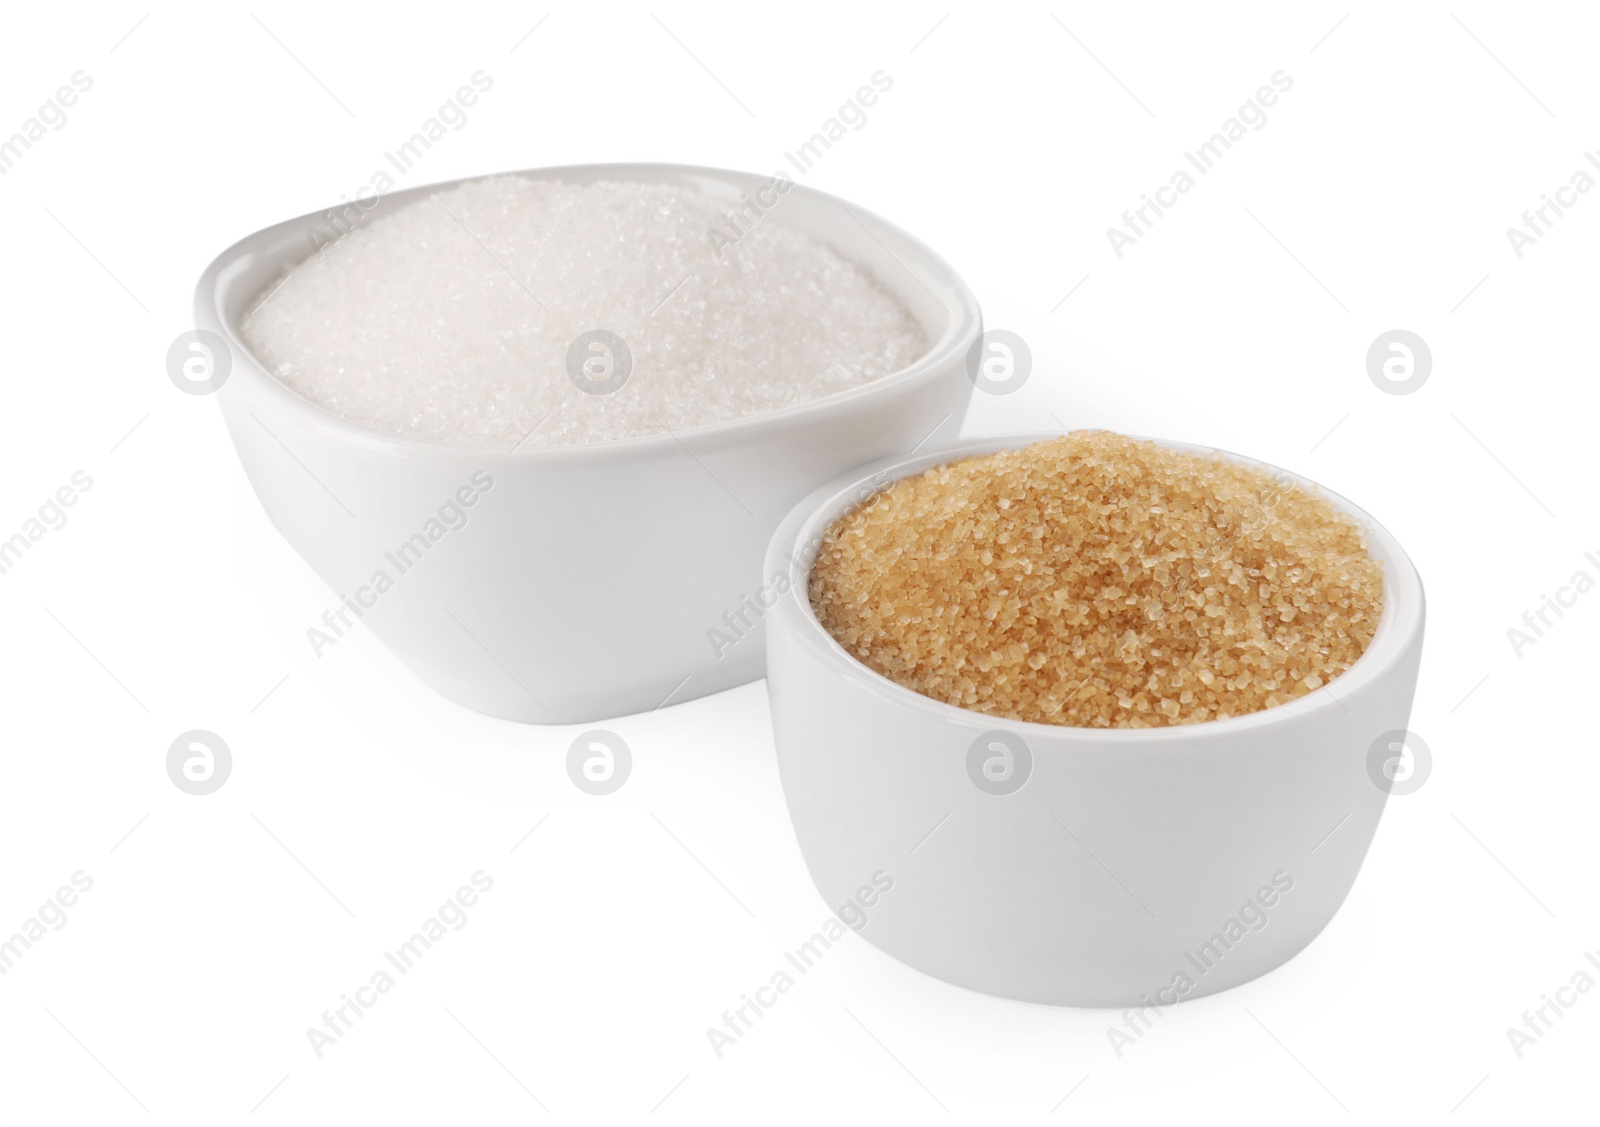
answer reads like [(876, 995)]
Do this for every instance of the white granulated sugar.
[(451, 319)]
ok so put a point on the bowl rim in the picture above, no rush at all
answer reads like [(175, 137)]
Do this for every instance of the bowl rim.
[(1399, 625), (962, 326)]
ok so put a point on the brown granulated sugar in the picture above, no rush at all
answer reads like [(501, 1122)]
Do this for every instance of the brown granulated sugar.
[(1100, 581)]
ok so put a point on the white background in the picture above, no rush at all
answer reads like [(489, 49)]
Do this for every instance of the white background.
[(219, 928)]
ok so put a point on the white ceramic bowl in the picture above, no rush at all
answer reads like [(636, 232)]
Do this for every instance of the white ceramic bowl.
[(588, 579), (1124, 854)]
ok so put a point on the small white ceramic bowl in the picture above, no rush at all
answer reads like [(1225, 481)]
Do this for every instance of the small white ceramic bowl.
[(1108, 878), (589, 579)]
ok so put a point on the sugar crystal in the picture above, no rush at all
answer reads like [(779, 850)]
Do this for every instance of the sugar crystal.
[(1100, 581), (451, 318)]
